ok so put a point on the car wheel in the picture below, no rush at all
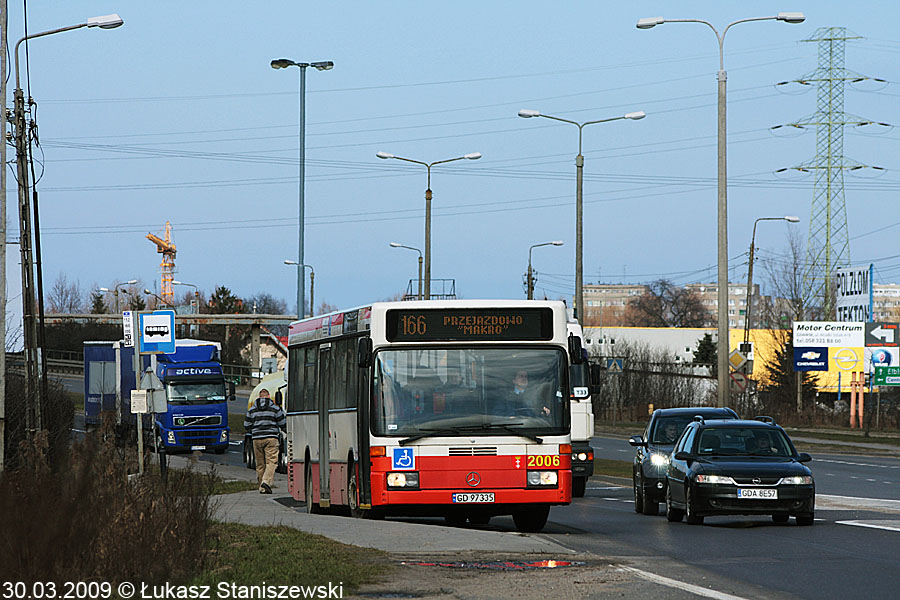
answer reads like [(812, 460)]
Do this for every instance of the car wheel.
[(674, 515), (779, 518), (531, 519), (579, 484), (690, 509), (638, 497), (651, 507), (806, 519)]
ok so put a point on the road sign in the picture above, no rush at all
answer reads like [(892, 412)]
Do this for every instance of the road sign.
[(127, 329), (877, 356), (157, 332), (615, 365), (882, 334), (736, 359), (738, 381), (887, 376)]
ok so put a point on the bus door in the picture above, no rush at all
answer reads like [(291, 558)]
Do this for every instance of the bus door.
[(323, 398)]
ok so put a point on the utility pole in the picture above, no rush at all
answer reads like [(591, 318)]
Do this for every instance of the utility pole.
[(3, 69)]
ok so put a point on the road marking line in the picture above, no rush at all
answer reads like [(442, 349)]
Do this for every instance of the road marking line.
[(869, 525), (855, 464), (609, 487), (674, 583)]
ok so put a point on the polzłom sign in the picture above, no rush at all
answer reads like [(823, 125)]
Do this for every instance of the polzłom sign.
[(853, 293)]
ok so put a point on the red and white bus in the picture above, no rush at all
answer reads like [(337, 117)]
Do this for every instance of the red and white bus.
[(455, 408)]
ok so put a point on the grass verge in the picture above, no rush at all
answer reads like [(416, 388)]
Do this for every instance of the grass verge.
[(236, 424), (249, 555), (612, 468)]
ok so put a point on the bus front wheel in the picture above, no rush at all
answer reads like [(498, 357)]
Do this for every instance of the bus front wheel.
[(531, 519)]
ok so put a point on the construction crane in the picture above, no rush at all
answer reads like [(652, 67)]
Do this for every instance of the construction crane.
[(167, 266)]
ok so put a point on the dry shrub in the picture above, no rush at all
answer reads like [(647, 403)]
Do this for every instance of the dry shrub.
[(86, 520), (57, 411)]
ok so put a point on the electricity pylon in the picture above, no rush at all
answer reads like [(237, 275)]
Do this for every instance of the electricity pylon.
[(828, 245)]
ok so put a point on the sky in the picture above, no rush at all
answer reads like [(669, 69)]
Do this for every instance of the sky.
[(177, 116)]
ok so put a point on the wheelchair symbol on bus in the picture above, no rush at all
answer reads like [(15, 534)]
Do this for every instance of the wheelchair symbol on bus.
[(404, 459)]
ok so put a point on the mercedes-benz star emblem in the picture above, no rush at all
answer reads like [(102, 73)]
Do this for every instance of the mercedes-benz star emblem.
[(473, 479), (757, 481)]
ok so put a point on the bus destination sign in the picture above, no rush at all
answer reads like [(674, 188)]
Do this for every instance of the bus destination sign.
[(454, 325)]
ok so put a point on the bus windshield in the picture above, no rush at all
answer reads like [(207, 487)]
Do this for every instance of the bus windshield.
[(466, 390), (196, 392)]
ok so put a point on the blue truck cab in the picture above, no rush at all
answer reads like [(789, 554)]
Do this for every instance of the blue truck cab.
[(193, 382)]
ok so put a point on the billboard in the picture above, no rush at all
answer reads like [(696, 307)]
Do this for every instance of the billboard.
[(853, 293)]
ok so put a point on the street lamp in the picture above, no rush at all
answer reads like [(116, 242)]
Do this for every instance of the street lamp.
[(301, 312), (31, 268), (196, 302), (579, 173), (398, 245), (149, 293), (115, 290), (530, 284), (324, 65), (470, 156), (722, 227), (789, 219)]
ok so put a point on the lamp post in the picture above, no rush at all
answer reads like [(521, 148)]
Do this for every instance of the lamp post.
[(324, 65), (789, 219), (115, 290), (398, 245), (722, 226), (530, 282), (195, 304), (312, 287), (149, 293), (33, 300), (470, 156), (579, 173)]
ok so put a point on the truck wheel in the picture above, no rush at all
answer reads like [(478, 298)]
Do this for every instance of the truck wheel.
[(579, 484)]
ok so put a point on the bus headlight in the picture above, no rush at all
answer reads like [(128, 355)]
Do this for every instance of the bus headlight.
[(542, 478), (403, 480)]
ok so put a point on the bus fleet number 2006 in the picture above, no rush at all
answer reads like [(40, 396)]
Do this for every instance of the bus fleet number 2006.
[(543, 460)]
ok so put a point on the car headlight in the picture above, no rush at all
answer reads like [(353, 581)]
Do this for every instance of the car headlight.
[(715, 479), (542, 478), (171, 437), (403, 480), (659, 459), (797, 480), (582, 456)]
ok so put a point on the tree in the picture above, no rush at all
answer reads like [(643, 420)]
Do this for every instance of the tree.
[(136, 302), (665, 304), (65, 296), (325, 308), (223, 302), (705, 353), (232, 337), (266, 303), (98, 305)]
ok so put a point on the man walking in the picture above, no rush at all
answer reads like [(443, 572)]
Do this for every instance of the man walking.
[(262, 422)]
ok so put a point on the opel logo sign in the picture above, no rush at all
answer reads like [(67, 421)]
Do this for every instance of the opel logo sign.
[(846, 359), (473, 479), (757, 481)]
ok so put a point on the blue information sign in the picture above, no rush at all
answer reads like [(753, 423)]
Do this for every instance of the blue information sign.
[(157, 332), (403, 459)]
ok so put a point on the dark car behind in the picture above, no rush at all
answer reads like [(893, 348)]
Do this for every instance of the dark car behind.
[(653, 448)]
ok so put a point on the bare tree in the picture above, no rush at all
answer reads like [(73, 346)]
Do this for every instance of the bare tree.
[(665, 304), (13, 340), (791, 299), (65, 296), (265, 303)]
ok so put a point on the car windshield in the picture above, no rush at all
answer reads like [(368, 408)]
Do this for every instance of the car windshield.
[(455, 390), (667, 429), (197, 392), (743, 441)]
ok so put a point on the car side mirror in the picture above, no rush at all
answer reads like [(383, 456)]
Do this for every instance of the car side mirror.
[(637, 440), (575, 350), (364, 352), (803, 457), (682, 455)]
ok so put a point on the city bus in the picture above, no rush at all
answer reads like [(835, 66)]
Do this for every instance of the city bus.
[(452, 408)]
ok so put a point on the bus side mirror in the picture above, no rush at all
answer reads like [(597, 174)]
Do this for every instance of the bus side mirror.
[(595, 375), (231, 391), (575, 354), (364, 352)]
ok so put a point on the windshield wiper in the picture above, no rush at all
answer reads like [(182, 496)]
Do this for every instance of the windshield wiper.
[(430, 433), (509, 427)]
